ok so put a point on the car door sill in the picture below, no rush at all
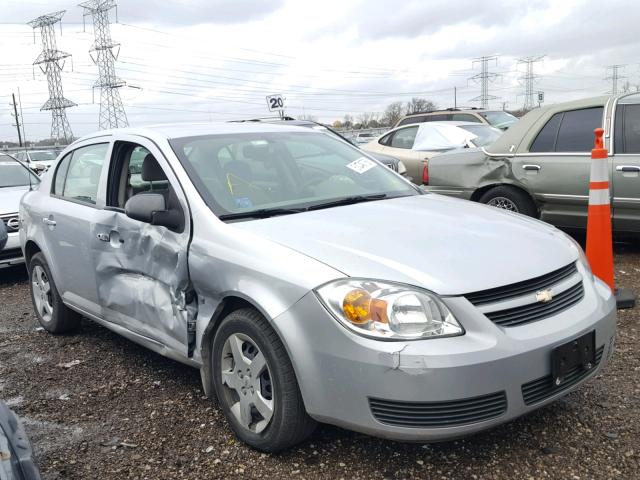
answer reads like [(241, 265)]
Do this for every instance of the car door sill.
[(147, 342)]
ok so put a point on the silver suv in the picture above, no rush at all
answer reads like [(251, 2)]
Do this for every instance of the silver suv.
[(309, 283), (540, 166)]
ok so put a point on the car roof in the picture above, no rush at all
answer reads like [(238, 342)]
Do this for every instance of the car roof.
[(179, 130)]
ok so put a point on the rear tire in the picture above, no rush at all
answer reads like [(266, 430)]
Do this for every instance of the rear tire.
[(511, 199), (52, 313), (259, 394)]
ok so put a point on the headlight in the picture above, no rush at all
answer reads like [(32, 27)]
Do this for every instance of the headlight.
[(401, 168), (387, 310), (582, 258)]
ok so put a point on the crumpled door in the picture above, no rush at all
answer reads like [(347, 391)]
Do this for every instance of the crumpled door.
[(142, 279)]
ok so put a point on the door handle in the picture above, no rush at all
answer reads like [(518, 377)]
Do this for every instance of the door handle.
[(627, 168), (535, 168), (103, 237), (48, 221)]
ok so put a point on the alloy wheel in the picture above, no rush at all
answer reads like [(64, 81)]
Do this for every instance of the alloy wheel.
[(42, 295), (247, 381), (503, 203)]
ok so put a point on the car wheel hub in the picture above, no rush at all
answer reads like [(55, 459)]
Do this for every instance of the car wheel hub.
[(42, 293), (247, 382), (503, 203)]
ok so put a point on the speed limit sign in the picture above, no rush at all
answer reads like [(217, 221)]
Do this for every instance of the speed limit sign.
[(275, 102)]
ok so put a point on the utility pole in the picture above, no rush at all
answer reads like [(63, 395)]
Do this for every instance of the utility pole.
[(51, 64), (112, 114), (15, 114), (484, 78), (528, 79), (455, 97), (614, 77)]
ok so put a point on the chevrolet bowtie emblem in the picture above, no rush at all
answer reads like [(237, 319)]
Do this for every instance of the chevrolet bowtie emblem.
[(544, 296)]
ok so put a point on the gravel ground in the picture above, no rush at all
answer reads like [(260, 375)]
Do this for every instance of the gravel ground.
[(119, 411)]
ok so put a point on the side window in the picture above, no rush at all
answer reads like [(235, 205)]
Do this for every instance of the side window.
[(418, 119), (83, 173), (404, 138), (465, 117), (576, 130), (627, 129), (386, 139), (61, 174), (546, 139)]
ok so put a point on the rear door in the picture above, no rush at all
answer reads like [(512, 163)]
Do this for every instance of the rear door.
[(141, 269), (68, 216), (626, 168), (555, 168)]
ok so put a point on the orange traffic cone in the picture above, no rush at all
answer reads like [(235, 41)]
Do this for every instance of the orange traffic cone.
[(599, 232), (599, 235)]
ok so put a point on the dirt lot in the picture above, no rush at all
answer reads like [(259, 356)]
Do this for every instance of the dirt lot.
[(124, 412)]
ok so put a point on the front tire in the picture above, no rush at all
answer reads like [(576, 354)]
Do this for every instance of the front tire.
[(52, 313), (256, 385), (511, 199)]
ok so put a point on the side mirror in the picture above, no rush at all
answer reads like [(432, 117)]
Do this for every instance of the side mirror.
[(152, 208), (144, 206)]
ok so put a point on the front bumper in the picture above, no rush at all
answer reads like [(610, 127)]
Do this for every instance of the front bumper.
[(11, 254), (340, 372)]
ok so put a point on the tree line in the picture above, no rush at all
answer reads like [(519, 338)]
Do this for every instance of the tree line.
[(392, 113)]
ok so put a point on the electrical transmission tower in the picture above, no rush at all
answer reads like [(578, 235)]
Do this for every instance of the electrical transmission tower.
[(614, 77), (112, 114), (528, 79), (51, 62), (484, 77)]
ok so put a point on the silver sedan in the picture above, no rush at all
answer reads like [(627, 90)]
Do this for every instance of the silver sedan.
[(309, 283)]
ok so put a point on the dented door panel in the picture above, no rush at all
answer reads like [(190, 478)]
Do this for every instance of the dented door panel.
[(142, 278)]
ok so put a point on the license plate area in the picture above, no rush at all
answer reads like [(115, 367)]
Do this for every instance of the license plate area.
[(578, 354)]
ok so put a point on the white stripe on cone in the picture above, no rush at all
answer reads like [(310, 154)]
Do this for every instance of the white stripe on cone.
[(599, 196), (600, 170)]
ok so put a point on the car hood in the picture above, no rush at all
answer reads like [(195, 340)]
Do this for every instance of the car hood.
[(446, 245), (10, 199)]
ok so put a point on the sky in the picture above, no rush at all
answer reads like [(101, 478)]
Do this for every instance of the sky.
[(215, 60)]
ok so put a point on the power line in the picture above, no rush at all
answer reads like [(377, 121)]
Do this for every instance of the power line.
[(484, 77), (51, 58), (112, 114), (529, 79)]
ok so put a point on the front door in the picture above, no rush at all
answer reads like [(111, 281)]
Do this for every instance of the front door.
[(141, 269), (625, 180)]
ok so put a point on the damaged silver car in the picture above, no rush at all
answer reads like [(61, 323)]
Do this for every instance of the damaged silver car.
[(309, 283)]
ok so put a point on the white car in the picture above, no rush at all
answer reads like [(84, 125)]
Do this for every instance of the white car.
[(14, 182), (412, 144)]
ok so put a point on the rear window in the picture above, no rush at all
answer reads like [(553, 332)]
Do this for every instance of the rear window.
[(569, 131)]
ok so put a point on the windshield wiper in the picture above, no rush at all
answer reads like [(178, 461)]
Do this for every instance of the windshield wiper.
[(348, 201), (262, 213)]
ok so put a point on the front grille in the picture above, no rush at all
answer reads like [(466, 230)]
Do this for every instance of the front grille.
[(13, 220), (543, 388), (532, 312), (508, 292), (439, 414), (10, 254)]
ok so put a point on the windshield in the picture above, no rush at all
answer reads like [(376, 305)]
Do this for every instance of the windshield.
[(485, 135), (42, 156), (241, 173), (499, 119), (15, 175)]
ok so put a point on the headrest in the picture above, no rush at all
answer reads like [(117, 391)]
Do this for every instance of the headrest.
[(151, 171)]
